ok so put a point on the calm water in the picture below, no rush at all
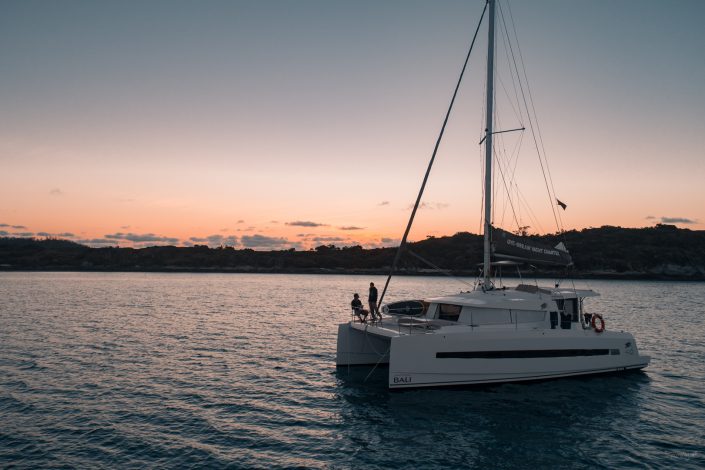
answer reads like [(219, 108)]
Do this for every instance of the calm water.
[(197, 370)]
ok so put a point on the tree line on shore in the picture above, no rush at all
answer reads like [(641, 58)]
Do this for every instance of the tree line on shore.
[(660, 252)]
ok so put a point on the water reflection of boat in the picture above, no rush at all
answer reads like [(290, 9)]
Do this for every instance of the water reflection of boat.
[(492, 333)]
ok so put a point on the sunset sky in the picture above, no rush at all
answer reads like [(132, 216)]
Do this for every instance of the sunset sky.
[(276, 124)]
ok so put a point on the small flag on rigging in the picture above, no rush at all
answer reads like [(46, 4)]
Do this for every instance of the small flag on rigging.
[(562, 204)]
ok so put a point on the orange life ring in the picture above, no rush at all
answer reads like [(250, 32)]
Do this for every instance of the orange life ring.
[(601, 327)]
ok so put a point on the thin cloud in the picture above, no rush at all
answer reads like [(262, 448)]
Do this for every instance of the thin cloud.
[(4, 233), (305, 223), (351, 227), (263, 241), (140, 238), (23, 234), (430, 205), (383, 203), (56, 192), (328, 239), (217, 240), (56, 235), (649, 217), (382, 243), (240, 221), (677, 220)]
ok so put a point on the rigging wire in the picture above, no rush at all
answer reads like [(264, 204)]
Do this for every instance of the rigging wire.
[(552, 200), (506, 162), (517, 147), (509, 99), (507, 43), (520, 116), (511, 161), (498, 157), (433, 157), (439, 269), (509, 196), (532, 116), (532, 215)]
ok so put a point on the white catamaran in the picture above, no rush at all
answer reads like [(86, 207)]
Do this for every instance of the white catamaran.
[(490, 334)]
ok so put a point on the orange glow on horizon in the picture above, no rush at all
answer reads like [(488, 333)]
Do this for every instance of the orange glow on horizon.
[(135, 133)]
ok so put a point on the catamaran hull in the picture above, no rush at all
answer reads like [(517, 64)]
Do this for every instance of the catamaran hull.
[(475, 357), (447, 360)]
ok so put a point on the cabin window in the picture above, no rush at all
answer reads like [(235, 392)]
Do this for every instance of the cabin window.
[(490, 316), (528, 316), (449, 312)]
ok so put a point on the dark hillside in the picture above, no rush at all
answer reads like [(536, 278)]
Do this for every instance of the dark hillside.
[(660, 252)]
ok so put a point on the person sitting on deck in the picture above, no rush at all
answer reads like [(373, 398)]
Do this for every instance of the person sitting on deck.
[(356, 305)]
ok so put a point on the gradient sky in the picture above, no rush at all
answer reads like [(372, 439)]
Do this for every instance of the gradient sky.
[(277, 124)]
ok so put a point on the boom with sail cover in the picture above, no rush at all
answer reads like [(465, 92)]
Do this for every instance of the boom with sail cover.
[(510, 246)]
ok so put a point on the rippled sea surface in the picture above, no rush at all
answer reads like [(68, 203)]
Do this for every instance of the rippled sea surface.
[(105, 370)]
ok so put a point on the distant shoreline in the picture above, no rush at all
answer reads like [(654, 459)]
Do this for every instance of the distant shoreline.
[(660, 253), (604, 276)]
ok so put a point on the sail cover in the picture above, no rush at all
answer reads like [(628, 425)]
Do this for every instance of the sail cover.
[(508, 245)]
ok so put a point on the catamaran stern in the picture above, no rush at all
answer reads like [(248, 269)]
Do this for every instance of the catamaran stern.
[(357, 346)]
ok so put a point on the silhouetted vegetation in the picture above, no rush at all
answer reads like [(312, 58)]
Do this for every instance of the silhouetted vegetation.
[(660, 252)]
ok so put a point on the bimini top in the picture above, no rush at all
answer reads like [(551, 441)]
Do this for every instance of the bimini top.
[(572, 293), (563, 292), (524, 296)]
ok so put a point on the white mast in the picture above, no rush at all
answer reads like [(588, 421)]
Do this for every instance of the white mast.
[(488, 147)]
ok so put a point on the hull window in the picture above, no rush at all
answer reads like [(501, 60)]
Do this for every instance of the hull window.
[(522, 354)]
